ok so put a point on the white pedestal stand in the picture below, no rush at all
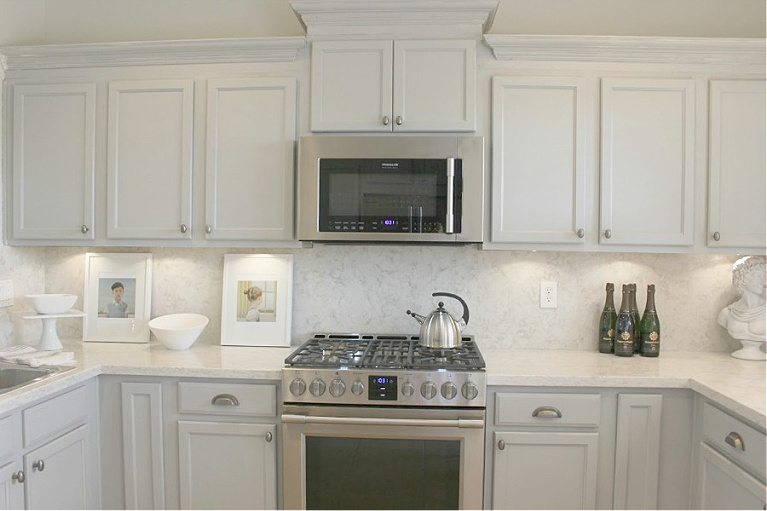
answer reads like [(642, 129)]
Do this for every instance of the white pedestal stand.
[(751, 350), (49, 340)]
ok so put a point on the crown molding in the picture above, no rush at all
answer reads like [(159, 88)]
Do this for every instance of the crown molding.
[(644, 49), (145, 53), (388, 18)]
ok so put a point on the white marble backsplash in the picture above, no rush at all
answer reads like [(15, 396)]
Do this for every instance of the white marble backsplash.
[(368, 288)]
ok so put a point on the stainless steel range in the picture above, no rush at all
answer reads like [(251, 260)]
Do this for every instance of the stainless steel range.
[(402, 423)]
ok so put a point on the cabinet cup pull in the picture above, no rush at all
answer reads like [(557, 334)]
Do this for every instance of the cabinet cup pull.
[(547, 412), (268, 436), (18, 476), (386, 120), (580, 233), (39, 465), (735, 440), (501, 445), (225, 400), (608, 233), (84, 229), (717, 236)]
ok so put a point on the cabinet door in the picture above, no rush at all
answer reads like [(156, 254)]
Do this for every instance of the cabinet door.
[(545, 470), (56, 475), (538, 160), (736, 185), (351, 86), (149, 176), (724, 485), (648, 160), (53, 161), (250, 146), (227, 465), (434, 86), (11, 490)]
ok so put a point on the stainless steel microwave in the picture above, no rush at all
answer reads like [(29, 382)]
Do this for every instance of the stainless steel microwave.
[(391, 188)]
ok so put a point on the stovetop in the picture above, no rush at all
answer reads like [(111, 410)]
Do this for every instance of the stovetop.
[(363, 351)]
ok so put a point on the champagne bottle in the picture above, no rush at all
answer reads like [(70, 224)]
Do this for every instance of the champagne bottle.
[(637, 319), (624, 326), (649, 327), (607, 321)]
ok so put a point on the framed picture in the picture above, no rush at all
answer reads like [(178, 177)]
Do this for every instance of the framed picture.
[(257, 300), (117, 297)]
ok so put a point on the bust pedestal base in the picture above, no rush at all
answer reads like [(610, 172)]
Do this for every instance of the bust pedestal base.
[(751, 350)]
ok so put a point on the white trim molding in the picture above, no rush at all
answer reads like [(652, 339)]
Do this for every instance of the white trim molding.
[(392, 18), (210, 51), (639, 49)]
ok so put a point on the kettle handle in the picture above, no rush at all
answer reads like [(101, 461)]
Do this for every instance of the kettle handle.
[(465, 307)]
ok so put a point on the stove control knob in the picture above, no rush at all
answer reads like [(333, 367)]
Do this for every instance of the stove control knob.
[(297, 387), (317, 387), (408, 389), (469, 390), (448, 390), (358, 388), (428, 389), (337, 388)]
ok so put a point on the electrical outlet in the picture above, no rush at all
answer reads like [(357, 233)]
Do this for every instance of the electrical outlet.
[(548, 294), (6, 293)]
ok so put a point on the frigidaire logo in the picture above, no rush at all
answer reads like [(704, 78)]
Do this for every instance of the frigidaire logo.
[(388, 165)]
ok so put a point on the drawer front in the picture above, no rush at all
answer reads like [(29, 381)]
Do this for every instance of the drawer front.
[(6, 437), (54, 416), (742, 443), (541, 409), (228, 399)]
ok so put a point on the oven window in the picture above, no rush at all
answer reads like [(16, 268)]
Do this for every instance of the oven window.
[(375, 473)]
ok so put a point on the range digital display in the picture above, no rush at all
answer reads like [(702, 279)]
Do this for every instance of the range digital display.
[(382, 388)]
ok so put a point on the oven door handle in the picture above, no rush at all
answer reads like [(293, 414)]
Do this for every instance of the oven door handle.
[(371, 421)]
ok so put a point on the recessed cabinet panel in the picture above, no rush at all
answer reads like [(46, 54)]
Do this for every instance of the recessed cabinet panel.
[(53, 161), (150, 159), (11, 490), (724, 485), (647, 161), (736, 207), (538, 165), (352, 86), (250, 158)]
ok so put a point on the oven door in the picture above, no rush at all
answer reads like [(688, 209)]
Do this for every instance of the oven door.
[(382, 458)]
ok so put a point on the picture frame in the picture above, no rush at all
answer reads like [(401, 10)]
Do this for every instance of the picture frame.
[(257, 302), (117, 297)]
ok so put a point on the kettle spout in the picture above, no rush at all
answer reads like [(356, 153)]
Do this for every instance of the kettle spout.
[(417, 317)]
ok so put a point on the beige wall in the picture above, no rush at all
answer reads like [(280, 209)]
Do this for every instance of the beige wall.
[(81, 21)]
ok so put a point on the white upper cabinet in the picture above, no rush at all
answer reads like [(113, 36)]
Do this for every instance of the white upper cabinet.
[(736, 205), (538, 160), (149, 168), (384, 86), (53, 164), (251, 132), (647, 161)]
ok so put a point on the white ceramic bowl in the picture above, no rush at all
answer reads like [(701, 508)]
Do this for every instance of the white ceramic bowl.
[(178, 331), (52, 303)]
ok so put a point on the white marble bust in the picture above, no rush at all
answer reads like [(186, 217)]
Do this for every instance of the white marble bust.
[(745, 318)]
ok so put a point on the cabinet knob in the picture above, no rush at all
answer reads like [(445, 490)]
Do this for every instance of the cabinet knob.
[(208, 228), (39, 465), (580, 233), (717, 236), (386, 120), (225, 400), (608, 233), (501, 445), (183, 228), (84, 229), (547, 412), (735, 440), (399, 120), (268, 436), (18, 476)]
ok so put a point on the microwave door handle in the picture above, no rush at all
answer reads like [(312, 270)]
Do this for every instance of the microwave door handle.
[(450, 214)]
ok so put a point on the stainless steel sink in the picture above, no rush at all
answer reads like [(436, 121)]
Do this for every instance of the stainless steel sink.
[(13, 376)]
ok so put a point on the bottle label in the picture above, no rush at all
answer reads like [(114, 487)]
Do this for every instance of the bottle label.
[(624, 343), (651, 342)]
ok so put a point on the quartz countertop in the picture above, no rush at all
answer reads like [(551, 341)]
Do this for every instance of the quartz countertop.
[(738, 385)]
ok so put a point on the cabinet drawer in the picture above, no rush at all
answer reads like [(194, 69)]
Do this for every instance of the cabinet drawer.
[(740, 442), (6, 437), (523, 409), (56, 415), (227, 399)]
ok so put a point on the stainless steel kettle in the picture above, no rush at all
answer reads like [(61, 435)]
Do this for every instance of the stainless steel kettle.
[(439, 329)]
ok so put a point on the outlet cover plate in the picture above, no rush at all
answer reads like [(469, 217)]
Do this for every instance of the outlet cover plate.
[(548, 294)]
